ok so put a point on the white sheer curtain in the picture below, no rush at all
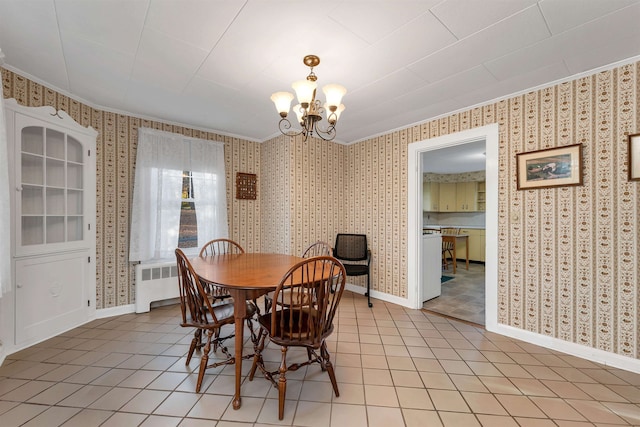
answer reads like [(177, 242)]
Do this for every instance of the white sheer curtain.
[(5, 250), (157, 192)]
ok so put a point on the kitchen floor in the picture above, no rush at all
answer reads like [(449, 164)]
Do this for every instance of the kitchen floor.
[(395, 367), (462, 297)]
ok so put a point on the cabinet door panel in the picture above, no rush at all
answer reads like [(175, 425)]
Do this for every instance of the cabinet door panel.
[(49, 295)]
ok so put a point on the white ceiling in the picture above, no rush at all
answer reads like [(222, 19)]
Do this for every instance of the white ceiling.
[(213, 64), (467, 157)]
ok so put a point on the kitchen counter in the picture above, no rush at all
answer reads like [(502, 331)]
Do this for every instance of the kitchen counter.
[(475, 227)]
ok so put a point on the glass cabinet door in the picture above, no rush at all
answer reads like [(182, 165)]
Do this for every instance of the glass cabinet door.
[(51, 184)]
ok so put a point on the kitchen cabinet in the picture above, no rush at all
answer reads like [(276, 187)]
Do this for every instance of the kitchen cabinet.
[(482, 205), (466, 196), (476, 244), (431, 196), (447, 197)]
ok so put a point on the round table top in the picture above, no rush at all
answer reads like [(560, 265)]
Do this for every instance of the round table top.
[(244, 271)]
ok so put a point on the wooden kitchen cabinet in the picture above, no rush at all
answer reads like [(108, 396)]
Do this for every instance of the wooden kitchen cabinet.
[(447, 198), (431, 196), (477, 243), (467, 196), (482, 196)]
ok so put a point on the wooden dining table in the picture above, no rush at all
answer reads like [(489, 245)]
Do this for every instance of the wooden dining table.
[(246, 276)]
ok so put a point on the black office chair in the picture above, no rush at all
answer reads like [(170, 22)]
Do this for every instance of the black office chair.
[(353, 247)]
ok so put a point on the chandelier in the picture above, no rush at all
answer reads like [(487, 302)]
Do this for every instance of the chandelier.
[(309, 111)]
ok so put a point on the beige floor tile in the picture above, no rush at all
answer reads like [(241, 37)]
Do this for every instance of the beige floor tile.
[(20, 414), (534, 422), (420, 352), (177, 404), (396, 351), (495, 420), (161, 421), (456, 367), (383, 417), (468, 383), (412, 398), (557, 408), (434, 380), (601, 392), (532, 387), (87, 375), (400, 363), (627, 411), (146, 401), (566, 390), (27, 391), (60, 373), (140, 379), (114, 399), (316, 391), (351, 360), (345, 375), (123, 419), (55, 393), (52, 417), (88, 418), (377, 377), (406, 379), (349, 394), (310, 414), (194, 422), (499, 385), (520, 406), (456, 419), (85, 396), (380, 395), (448, 400), (374, 361), (349, 415), (421, 418), (483, 403), (371, 349)]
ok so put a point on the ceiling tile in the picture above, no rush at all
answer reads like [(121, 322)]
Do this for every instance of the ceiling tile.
[(375, 20), (464, 17), (604, 35), (166, 62), (100, 74), (116, 24), (200, 23), (30, 42), (522, 29), (562, 15)]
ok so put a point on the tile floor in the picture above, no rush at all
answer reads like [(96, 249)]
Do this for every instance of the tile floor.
[(395, 367), (463, 296)]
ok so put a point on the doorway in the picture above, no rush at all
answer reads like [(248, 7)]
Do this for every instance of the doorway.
[(454, 198), (488, 133)]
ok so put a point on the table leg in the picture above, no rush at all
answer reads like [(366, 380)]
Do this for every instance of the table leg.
[(455, 257), (240, 311), (467, 246)]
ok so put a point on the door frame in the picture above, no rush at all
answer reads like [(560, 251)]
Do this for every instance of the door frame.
[(489, 133)]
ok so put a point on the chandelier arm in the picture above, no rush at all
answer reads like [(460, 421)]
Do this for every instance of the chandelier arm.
[(285, 128), (328, 135)]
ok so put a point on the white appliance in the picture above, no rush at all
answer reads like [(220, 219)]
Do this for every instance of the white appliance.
[(431, 265)]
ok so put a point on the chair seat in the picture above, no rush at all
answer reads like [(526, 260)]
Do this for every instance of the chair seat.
[(291, 298), (356, 269), (297, 329)]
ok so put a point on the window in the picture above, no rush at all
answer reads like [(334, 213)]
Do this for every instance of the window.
[(188, 234), (179, 195)]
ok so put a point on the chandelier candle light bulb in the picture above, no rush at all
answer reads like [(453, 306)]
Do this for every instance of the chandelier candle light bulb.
[(309, 111)]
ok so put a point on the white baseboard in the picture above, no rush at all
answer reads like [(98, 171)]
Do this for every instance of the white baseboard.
[(578, 350), (594, 355), (378, 295), (101, 313)]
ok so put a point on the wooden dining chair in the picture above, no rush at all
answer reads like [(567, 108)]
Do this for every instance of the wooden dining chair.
[(218, 247), (298, 325), (448, 243), (200, 313), (318, 248)]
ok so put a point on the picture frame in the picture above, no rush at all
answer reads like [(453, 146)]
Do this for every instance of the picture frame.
[(550, 167), (634, 157)]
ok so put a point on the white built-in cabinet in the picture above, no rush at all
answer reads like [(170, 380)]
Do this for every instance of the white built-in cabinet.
[(52, 181)]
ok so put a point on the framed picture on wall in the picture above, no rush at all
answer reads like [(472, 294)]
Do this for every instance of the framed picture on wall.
[(634, 157), (551, 167)]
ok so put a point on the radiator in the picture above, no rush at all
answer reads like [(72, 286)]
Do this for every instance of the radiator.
[(155, 282)]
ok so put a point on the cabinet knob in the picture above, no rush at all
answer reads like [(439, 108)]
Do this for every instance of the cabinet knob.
[(19, 285), (19, 188)]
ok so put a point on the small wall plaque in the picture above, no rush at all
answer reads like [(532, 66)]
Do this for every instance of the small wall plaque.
[(246, 186)]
